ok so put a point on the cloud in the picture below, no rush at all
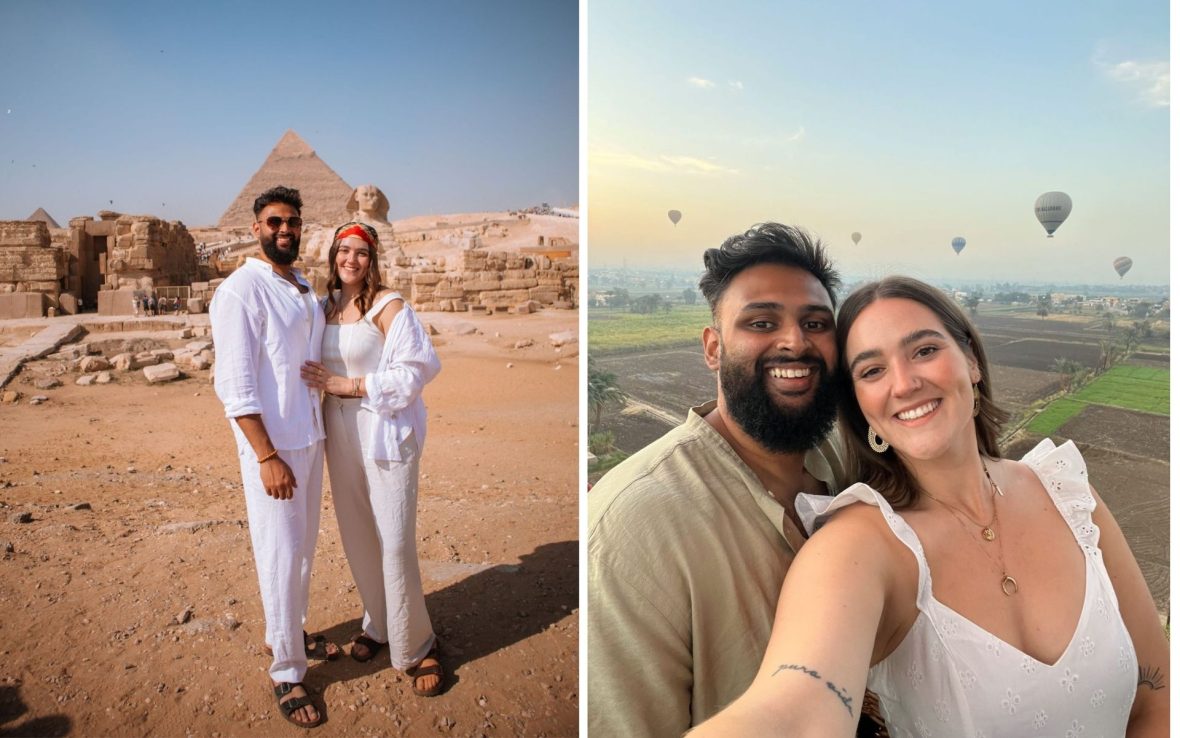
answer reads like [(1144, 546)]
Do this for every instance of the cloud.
[(662, 163), (1150, 80), (704, 84), (736, 85)]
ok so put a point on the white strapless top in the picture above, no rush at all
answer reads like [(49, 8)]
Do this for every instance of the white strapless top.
[(950, 677), (354, 349)]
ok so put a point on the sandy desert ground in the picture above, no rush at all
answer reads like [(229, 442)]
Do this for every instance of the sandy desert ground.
[(129, 600)]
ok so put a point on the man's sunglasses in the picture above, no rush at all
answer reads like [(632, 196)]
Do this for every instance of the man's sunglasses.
[(274, 222)]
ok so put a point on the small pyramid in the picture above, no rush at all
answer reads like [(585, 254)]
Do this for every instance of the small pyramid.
[(292, 163), (41, 215)]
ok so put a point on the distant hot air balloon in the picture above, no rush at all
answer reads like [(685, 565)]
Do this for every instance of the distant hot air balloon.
[(958, 243), (1122, 265), (1052, 208), (855, 238), (674, 216)]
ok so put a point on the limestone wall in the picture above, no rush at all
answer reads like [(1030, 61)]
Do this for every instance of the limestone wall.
[(147, 247), (479, 279), (29, 263)]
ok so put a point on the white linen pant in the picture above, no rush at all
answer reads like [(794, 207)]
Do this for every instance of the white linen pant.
[(283, 534), (376, 507)]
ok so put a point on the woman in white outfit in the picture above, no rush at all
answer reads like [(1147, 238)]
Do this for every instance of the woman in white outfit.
[(975, 595), (376, 360)]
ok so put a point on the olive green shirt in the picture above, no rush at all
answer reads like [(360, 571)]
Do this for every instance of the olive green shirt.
[(686, 554)]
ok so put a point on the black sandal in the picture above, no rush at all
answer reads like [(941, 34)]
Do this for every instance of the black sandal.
[(435, 669), (290, 706), (372, 646), (319, 649)]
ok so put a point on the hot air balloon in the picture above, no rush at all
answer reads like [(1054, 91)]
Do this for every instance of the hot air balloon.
[(855, 238), (958, 243), (1052, 208), (674, 216), (1122, 265)]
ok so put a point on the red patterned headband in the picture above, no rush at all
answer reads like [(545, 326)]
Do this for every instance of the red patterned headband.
[(359, 232)]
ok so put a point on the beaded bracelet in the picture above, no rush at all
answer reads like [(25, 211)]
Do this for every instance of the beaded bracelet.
[(268, 457)]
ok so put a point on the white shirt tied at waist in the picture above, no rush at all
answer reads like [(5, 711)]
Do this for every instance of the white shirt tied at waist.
[(394, 392), (264, 328)]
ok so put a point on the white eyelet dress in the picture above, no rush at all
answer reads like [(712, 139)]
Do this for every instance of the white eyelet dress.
[(950, 677)]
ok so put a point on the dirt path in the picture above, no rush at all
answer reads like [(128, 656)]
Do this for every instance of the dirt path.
[(136, 517)]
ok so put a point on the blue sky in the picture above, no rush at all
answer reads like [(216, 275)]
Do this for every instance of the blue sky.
[(169, 108), (911, 123)]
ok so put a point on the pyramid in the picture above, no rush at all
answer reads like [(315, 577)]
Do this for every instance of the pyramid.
[(45, 217), (293, 163)]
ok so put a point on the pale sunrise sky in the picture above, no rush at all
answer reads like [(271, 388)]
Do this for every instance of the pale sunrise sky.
[(168, 108), (910, 122)]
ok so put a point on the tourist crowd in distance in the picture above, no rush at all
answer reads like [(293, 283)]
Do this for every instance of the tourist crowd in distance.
[(151, 304)]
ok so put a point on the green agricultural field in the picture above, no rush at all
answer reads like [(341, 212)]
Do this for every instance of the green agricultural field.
[(1139, 388), (1057, 414), (615, 330)]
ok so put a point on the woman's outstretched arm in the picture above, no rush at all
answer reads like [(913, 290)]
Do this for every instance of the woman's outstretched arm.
[(812, 679)]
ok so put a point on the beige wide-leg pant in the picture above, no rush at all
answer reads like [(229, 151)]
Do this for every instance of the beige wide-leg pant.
[(376, 507), (283, 535)]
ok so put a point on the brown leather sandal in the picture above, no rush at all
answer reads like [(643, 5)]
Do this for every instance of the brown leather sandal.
[(289, 707), (417, 672)]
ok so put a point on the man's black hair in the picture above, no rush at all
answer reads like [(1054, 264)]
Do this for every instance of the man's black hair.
[(287, 195), (766, 243)]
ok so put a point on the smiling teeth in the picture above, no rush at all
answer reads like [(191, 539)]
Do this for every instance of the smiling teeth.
[(790, 373), (918, 411)]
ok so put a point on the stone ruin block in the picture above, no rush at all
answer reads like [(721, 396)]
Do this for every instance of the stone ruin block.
[(23, 305), (426, 278), (518, 284), (24, 234), (115, 302), (504, 297)]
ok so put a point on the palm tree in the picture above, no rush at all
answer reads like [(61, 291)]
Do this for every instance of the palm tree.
[(1069, 370), (602, 390)]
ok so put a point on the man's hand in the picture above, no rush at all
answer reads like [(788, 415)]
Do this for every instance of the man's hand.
[(277, 478)]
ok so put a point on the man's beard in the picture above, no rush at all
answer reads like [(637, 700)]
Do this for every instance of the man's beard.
[(776, 428), (278, 256)]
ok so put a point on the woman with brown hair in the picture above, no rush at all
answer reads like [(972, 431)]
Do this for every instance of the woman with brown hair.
[(976, 596), (376, 360)]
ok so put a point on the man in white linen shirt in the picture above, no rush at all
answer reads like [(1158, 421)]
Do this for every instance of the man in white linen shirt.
[(266, 323)]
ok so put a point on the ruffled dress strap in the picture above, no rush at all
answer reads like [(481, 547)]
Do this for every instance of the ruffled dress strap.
[(380, 305), (1062, 471), (815, 510)]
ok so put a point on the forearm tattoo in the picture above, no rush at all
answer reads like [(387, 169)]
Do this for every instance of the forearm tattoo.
[(1151, 678), (841, 695)]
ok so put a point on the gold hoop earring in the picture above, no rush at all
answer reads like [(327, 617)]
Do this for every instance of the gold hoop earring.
[(975, 407), (878, 444)]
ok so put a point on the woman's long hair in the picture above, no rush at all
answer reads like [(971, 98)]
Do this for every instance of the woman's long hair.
[(886, 472), (372, 281)]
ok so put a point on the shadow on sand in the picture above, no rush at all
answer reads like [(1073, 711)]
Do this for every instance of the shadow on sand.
[(12, 707), (480, 614)]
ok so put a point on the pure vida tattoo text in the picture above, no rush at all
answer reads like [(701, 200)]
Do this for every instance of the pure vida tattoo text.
[(1151, 678), (840, 693)]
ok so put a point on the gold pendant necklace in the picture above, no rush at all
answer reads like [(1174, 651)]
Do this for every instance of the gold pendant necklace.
[(988, 532)]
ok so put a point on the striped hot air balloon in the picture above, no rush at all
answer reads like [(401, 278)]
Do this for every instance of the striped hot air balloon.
[(1122, 265), (958, 243)]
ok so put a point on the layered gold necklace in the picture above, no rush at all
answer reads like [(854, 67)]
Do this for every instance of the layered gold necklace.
[(989, 532)]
